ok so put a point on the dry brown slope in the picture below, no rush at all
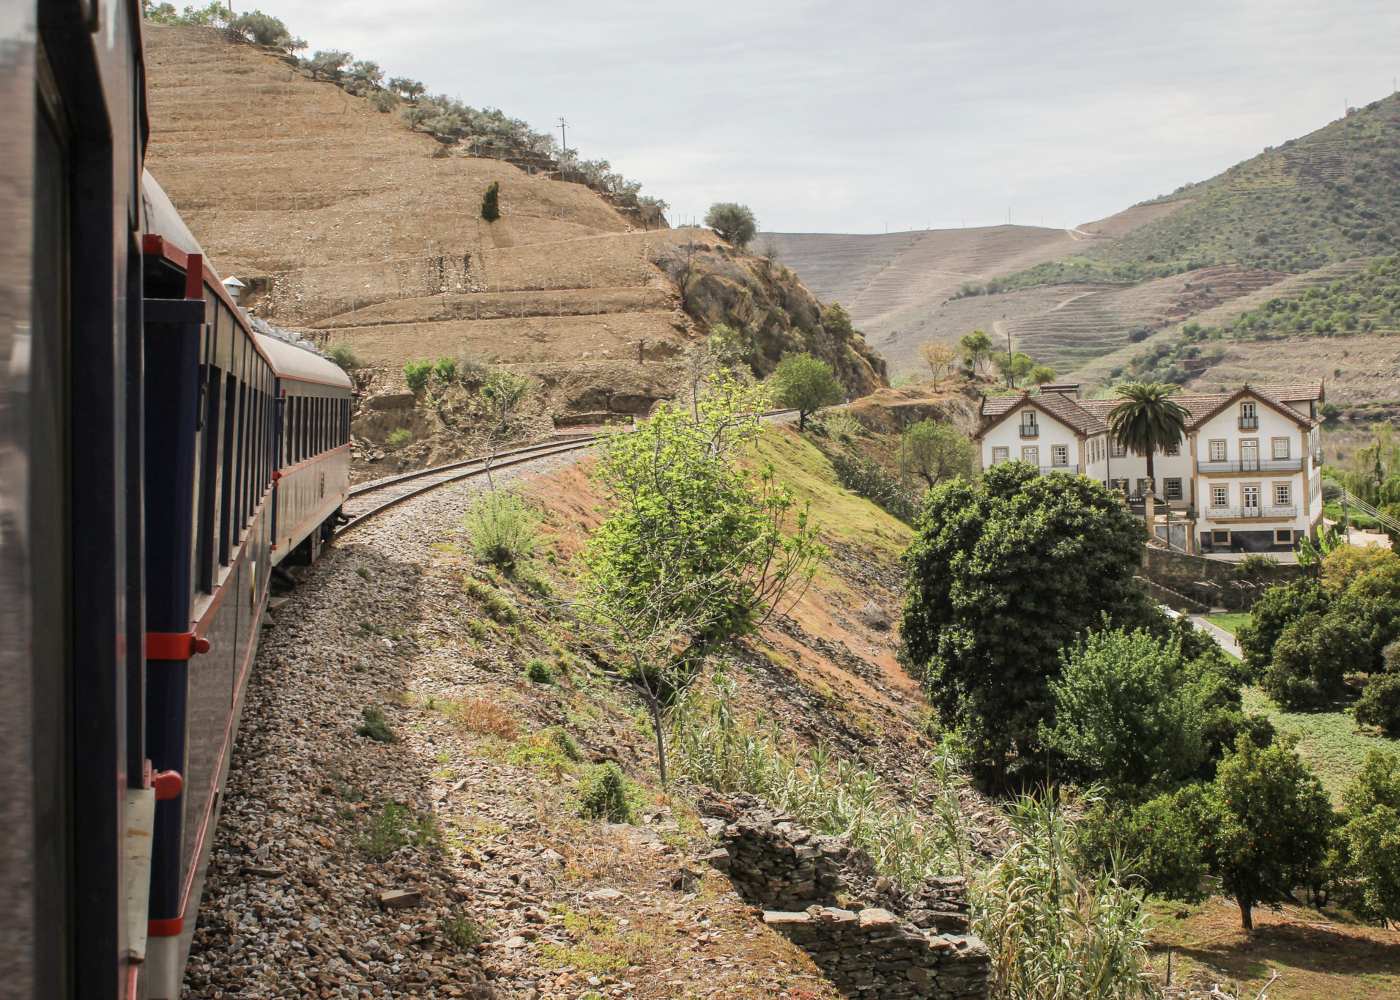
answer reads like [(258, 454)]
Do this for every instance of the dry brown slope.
[(328, 207)]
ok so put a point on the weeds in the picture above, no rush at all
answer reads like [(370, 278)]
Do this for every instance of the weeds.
[(343, 355), (399, 437), (375, 726), (539, 672), (464, 932), (551, 750), (498, 607), (484, 717), (504, 530), (603, 795), (396, 826)]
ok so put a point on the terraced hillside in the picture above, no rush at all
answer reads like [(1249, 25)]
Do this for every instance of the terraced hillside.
[(346, 224)]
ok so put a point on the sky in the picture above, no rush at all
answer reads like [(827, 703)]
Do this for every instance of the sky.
[(884, 116)]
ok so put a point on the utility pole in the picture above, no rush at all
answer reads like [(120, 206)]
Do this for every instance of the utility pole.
[(563, 135)]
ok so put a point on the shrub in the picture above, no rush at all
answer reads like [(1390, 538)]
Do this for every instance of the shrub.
[(806, 384), (1271, 614), (867, 478), (732, 222), (399, 437), (445, 370), (603, 795), (504, 530), (1369, 839), (1159, 841), (1002, 573), (383, 101), (343, 355), (1379, 704), (375, 726), (491, 202), (1311, 659), (1126, 713), (416, 374), (539, 672)]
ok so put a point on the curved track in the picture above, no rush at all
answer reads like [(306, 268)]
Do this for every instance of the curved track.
[(369, 499)]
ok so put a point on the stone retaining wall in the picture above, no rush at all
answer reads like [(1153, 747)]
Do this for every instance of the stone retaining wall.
[(1214, 583), (871, 939)]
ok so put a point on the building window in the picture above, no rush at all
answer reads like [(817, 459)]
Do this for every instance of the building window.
[(1219, 537), (1000, 455), (1220, 496), (1031, 453), (1173, 449), (1059, 454), (1283, 494), (1218, 450), (1283, 536), (1116, 449), (1249, 498), (1281, 448), (1249, 416), (1172, 488), (1029, 428)]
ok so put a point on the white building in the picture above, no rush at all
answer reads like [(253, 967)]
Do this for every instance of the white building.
[(1247, 476)]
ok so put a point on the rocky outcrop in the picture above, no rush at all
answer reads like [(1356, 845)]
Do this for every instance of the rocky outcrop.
[(770, 308), (872, 939)]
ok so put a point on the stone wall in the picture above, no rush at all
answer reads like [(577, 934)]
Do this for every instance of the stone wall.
[(1215, 583), (871, 939)]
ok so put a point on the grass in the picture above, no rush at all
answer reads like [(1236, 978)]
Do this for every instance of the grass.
[(395, 826), (1328, 742), (1230, 621), (1316, 954)]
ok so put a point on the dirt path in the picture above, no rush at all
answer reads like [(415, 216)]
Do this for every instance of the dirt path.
[(468, 808)]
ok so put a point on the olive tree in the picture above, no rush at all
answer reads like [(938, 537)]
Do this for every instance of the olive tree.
[(936, 452), (732, 222), (502, 391), (806, 384), (697, 551)]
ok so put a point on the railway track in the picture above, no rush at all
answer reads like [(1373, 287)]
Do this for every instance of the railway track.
[(377, 496), (369, 499)]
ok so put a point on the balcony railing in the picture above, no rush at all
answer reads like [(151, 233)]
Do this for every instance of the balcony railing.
[(1277, 511), (1072, 470), (1030, 430), (1249, 423), (1253, 465)]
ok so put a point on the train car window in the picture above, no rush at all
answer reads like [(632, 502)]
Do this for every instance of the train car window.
[(226, 468), (240, 514), (208, 478)]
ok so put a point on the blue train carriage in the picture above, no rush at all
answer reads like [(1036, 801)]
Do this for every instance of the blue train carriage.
[(72, 135), (252, 434)]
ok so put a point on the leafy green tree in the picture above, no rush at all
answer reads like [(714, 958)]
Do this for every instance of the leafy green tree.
[(1147, 420), (1014, 367), (406, 87), (696, 551), (1272, 613), (1379, 704), (1369, 839), (936, 452), (264, 29), (1041, 374), (1001, 574), (976, 348), (732, 222), (1311, 660), (1271, 826), (491, 202), (1161, 841), (328, 65), (806, 384), (1127, 713)]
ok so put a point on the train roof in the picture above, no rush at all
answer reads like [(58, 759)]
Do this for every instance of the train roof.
[(161, 218), (291, 361)]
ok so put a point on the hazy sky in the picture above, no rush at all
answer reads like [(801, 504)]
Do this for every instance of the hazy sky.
[(862, 117)]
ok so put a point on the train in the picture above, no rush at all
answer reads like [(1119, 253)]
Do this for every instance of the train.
[(160, 461)]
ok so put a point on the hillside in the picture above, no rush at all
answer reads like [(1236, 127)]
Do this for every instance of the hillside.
[(346, 224), (1298, 215)]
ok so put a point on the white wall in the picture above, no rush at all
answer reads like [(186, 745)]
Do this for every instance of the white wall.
[(1007, 434)]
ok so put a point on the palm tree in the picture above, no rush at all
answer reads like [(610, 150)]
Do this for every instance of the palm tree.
[(1147, 419)]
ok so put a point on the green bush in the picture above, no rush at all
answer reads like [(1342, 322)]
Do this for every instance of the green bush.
[(603, 795), (383, 101), (866, 477), (1160, 841), (491, 202), (504, 530), (539, 672), (732, 222), (1379, 704), (445, 370), (375, 726), (416, 374), (1311, 660), (343, 355), (1271, 614), (1127, 713), (399, 437), (1369, 840)]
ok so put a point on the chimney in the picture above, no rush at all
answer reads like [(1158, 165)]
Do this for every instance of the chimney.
[(1063, 388)]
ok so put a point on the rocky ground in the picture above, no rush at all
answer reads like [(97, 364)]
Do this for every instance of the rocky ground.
[(452, 861)]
